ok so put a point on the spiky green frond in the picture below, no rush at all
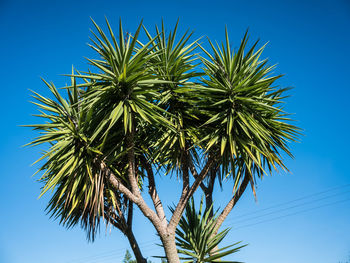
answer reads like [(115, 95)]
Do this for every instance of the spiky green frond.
[(150, 92), (72, 167), (246, 123), (175, 63), (124, 85), (196, 238)]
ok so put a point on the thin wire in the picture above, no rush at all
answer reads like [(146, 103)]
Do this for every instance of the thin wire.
[(294, 200), (114, 256), (144, 251), (284, 209), (88, 259), (147, 244), (292, 214)]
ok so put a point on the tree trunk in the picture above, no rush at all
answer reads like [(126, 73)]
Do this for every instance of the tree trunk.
[(135, 247), (170, 249), (165, 231)]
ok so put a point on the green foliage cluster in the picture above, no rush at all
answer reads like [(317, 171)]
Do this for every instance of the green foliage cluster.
[(196, 236), (128, 258), (157, 104)]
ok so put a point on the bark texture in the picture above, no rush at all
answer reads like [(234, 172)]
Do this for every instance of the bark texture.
[(168, 241)]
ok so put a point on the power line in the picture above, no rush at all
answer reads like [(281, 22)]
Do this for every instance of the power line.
[(295, 213), (147, 244), (284, 209), (90, 259), (294, 200), (113, 259), (119, 254)]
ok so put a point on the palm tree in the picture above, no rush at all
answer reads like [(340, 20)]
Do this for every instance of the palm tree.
[(143, 107)]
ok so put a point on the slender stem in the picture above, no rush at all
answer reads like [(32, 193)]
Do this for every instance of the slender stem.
[(209, 201), (209, 191), (130, 214), (131, 163), (117, 183), (195, 174), (185, 196), (138, 200), (232, 202), (127, 231), (135, 247), (185, 165), (152, 190)]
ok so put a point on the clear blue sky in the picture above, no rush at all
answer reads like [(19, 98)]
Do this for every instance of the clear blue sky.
[(309, 40)]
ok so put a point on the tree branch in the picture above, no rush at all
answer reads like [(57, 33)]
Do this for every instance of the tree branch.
[(112, 220), (138, 200), (116, 182), (131, 163), (195, 175), (185, 196), (145, 209), (232, 202), (127, 231), (130, 214), (152, 190), (185, 176)]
